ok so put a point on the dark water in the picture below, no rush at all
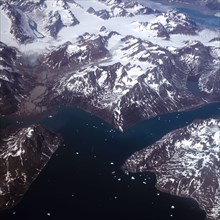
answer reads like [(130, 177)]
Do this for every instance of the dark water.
[(83, 180), (210, 21), (193, 86), (202, 18)]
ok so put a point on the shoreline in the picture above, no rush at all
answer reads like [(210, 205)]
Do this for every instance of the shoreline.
[(200, 8)]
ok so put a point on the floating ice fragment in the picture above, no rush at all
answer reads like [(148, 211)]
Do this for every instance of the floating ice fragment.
[(126, 172)]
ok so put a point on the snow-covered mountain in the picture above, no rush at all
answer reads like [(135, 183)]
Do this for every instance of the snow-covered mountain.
[(133, 81), (123, 73), (121, 60), (212, 5), (30, 20), (186, 163), (23, 154), (12, 80)]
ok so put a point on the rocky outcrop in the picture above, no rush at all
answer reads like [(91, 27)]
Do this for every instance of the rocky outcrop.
[(12, 81), (23, 154), (186, 163)]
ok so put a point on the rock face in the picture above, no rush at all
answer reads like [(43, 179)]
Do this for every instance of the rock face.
[(11, 80), (23, 154), (122, 9), (124, 73), (19, 23), (149, 80), (89, 48), (213, 5), (167, 23), (186, 163), (121, 60), (24, 17), (177, 23)]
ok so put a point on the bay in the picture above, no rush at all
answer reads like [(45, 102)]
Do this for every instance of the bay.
[(83, 180)]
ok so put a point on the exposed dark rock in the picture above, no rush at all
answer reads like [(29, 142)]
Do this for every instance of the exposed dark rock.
[(104, 14), (23, 154), (68, 54), (118, 11), (19, 24), (91, 10), (11, 81), (161, 30), (178, 23), (186, 163), (55, 23)]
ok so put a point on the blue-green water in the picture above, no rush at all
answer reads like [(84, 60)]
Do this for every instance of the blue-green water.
[(83, 180), (210, 21)]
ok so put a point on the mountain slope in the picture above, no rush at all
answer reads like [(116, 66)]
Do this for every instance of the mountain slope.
[(149, 80), (186, 163), (12, 80), (124, 73), (23, 154)]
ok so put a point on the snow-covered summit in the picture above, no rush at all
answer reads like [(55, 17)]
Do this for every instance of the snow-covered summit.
[(35, 20), (120, 60), (158, 52)]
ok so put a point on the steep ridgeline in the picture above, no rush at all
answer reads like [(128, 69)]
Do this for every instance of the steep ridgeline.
[(150, 63), (12, 80), (213, 5), (23, 154), (23, 18), (186, 163), (121, 9), (132, 82)]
